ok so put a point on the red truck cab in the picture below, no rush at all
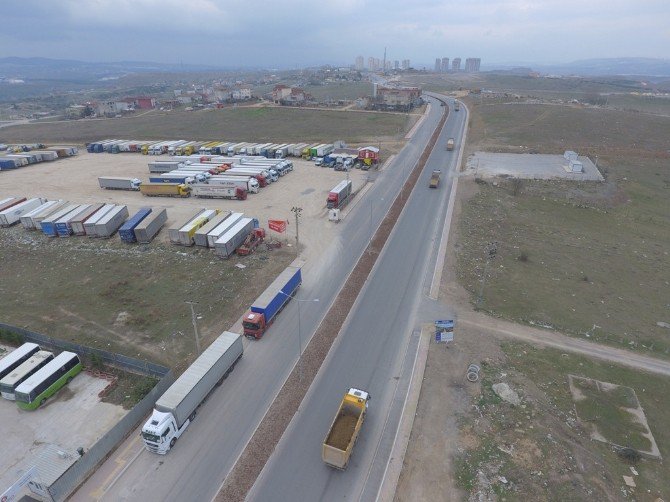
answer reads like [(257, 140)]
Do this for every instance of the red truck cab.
[(254, 325)]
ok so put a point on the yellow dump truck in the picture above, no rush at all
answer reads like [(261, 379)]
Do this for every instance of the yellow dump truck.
[(341, 437), (450, 144), (165, 190), (435, 178)]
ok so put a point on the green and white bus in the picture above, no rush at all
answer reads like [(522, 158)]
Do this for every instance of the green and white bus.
[(32, 393), (16, 357), (9, 384)]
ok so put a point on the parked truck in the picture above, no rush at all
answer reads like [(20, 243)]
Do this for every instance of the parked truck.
[(165, 190), (177, 407), (116, 183), (344, 430), (226, 245), (264, 310), (435, 178), (218, 191), (457, 105), (339, 195), (248, 183), (450, 144)]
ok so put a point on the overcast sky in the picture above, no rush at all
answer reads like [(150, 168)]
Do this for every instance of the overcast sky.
[(290, 33)]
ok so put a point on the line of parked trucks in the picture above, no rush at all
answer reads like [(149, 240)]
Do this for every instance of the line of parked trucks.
[(16, 159), (204, 176)]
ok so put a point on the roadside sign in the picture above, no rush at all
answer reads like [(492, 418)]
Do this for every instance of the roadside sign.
[(444, 331)]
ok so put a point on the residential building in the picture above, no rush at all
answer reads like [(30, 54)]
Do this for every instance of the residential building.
[(445, 65), (405, 64), (472, 65), (437, 65), (395, 98), (360, 63), (456, 64)]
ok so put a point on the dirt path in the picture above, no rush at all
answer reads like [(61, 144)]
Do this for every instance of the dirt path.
[(505, 329)]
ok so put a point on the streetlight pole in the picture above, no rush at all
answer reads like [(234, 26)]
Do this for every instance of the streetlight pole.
[(297, 210), (195, 326), (299, 329)]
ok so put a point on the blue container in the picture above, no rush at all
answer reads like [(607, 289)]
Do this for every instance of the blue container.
[(49, 228), (278, 294), (7, 164), (171, 179), (63, 229), (127, 230)]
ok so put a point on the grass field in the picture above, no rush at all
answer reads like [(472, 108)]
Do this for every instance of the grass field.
[(540, 450), (130, 300), (589, 259), (229, 124)]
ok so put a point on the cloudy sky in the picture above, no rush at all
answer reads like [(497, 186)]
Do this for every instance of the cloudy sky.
[(289, 33)]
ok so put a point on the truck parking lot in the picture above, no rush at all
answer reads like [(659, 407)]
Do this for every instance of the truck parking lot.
[(76, 179), (75, 417)]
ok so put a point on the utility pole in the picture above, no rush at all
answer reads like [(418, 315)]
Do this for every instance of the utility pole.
[(195, 327), (492, 251), (297, 210)]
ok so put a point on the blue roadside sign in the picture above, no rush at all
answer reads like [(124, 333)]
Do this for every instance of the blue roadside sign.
[(444, 331)]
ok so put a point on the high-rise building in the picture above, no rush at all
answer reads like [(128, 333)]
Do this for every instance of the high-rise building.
[(371, 63), (437, 65), (360, 63), (472, 65), (405, 64), (396, 65), (387, 65), (456, 64), (445, 65)]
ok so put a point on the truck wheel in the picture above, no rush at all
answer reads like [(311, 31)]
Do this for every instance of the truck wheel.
[(172, 442)]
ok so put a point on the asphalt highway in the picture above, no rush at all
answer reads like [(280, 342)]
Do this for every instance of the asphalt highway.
[(372, 352)]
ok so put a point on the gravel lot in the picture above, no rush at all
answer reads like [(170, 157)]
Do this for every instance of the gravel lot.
[(76, 179), (529, 166), (74, 417)]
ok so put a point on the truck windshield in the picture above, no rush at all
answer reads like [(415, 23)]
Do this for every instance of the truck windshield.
[(250, 325), (151, 437)]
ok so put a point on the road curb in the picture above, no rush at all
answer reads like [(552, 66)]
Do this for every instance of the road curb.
[(395, 464)]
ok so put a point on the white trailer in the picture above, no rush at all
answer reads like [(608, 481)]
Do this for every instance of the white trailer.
[(89, 224), (13, 214), (110, 222), (226, 245), (248, 183), (27, 219), (200, 237)]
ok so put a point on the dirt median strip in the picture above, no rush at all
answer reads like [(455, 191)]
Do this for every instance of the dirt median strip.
[(266, 437)]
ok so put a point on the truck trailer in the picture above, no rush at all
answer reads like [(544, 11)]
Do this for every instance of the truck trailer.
[(206, 190), (48, 225), (49, 207), (117, 183), (177, 407), (149, 227), (77, 223), (64, 225), (200, 237), (339, 195), (165, 190), (89, 224), (127, 230), (173, 231), (264, 310), (229, 242), (12, 214), (110, 223), (186, 234), (343, 432), (219, 230)]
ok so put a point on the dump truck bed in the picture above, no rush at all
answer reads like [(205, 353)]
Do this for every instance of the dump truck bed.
[(340, 440)]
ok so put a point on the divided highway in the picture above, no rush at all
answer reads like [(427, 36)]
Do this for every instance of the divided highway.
[(372, 350), (202, 458)]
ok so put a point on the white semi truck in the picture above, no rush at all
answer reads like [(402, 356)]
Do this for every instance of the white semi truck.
[(176, 408)]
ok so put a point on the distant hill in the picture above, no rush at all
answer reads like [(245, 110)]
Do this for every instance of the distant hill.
[(80, 71), (648, 67)]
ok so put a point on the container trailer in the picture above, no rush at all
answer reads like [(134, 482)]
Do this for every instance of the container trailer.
[(222, 228), (64, 225), (78, 222), (92, 221), (200, 237), (248, 183), (12, 214), (48, 224), (127, 230), (110, 223), (177, 407), (173, 231), (10, 201), (46, 208), (149, 227), (226, 245), (264, 310), (187, 232)]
